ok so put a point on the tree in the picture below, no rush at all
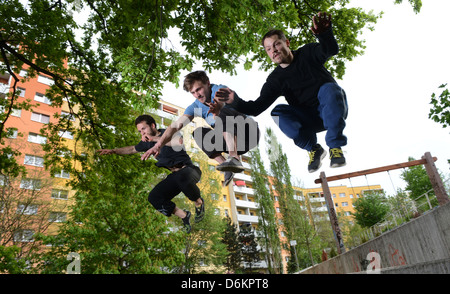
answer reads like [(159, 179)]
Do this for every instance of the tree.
[(112, 226), (268, 236), (126, 50), (370, 209), (417, 184), (440, 111), (296, 223), (230, 239), (249, 247), (204, 246)]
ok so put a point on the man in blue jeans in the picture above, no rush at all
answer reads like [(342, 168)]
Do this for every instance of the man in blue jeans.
[(315, 101)]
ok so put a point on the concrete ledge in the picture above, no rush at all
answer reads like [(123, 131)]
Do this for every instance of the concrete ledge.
[(421, 241)]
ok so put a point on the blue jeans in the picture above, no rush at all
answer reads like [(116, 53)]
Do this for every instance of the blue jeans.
[(301, 124)]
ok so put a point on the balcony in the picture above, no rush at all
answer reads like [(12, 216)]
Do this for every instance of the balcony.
[(246, 165), (242, 177), (247, 218), (246, 204), (243, 190)]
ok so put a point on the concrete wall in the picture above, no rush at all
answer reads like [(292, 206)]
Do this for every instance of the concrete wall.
[(420, 241)]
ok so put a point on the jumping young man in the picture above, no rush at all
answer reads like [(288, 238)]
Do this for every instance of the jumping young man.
[(229, 131), (184, 174), (315, 101)]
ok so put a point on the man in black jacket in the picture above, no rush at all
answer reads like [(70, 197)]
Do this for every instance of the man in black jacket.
[(315, 101), (183, 177)]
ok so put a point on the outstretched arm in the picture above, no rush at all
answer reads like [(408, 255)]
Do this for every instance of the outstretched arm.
[(120, 151)]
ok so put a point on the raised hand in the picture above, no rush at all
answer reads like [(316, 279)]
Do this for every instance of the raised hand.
[(214, 108), (224, 95), (321, 23), (152, 151)]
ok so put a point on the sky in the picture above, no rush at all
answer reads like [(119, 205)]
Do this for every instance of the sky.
[(388, 91)]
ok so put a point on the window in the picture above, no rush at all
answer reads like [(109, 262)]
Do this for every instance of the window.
[(27, 209), (57, 217), (65, 134), (42, 118), (67, 116), (41, 98), (344, 203), (62, 174), (45, 80), (169, 109), (12, 133), (341, 194), (35, 138), (30, 184), (23, 236), (20, 91), (34, 160), (16, 112), (224, 198), (60, 194), (3, 180), (214, 196)]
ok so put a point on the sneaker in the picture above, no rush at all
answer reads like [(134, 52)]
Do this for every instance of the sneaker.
[(200, 212), (231, 164), (337, 157), (228, 177), (187, 221), (315, 158)]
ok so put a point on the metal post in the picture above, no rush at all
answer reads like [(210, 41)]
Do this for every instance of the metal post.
[(435, 179), (332, 214)]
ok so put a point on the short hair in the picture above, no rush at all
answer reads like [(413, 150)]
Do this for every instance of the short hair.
[(145, 118), (271, 33), (192, 77)]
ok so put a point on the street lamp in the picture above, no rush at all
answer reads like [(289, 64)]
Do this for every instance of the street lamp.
[(293, 244)]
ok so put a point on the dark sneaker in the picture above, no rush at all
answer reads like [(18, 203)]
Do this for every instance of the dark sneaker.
[(337, 157), (315, 158), (231, 164), (200, 212), (187, 221), (228, 177)]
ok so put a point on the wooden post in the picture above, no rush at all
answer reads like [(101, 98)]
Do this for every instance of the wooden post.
[(435, 179), (332, 214)]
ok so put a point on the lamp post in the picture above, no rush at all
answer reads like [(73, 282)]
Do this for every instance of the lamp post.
[(293, 244)]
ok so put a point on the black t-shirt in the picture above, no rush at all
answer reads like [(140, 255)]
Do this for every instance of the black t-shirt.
[(168, 156)]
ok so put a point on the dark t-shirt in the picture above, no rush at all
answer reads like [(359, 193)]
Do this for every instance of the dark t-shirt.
[(168, 156)]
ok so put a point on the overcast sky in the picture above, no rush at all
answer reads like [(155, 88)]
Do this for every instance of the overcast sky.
[(388, 90)]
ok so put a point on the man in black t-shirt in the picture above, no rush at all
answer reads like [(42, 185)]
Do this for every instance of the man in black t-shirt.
[(315, 101), (184, 177)]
